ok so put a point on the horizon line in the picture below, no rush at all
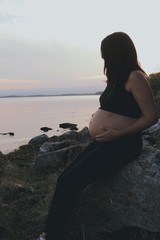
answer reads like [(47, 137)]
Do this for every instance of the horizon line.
[(50, 95)]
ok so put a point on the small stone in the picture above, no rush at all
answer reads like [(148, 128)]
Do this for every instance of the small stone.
[(45, 129)]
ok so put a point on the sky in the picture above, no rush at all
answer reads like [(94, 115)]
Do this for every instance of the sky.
[(53, 46)]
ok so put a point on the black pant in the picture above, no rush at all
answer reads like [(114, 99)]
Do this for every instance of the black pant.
[(97, 160)]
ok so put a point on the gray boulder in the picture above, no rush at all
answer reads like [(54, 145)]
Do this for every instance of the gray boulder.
[(52, 146), (153, 128), (71, 126), (55, 158), (130, 199), (81, 136), (38, 140), (62, 148)]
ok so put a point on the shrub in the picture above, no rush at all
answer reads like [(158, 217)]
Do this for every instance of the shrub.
[(154, 79)]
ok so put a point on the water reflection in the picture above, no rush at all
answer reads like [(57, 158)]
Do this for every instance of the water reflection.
[(25, 116)]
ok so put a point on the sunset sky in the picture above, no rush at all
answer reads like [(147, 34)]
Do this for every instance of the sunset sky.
[(53, 46)]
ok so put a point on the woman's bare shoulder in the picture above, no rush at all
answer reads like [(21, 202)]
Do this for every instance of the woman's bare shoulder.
[(136, 78), (137, 74)]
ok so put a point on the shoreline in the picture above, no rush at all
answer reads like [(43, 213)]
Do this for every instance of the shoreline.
[(11, 144), (26, 116), (51, 95)]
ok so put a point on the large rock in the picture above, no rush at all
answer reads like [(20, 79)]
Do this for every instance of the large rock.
[(131, 199), (62, 148), (55, 158), (153, 128), (38, 140), (47, 147)]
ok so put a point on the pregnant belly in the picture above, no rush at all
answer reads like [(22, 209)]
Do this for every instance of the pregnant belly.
[(103, 119), (96, 123)]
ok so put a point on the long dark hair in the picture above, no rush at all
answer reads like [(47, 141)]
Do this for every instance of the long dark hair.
[(120, 58)]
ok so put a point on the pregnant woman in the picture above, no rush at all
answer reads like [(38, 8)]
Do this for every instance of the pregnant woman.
[(126, 109)]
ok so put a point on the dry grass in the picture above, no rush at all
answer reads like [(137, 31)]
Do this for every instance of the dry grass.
[(25, 193)]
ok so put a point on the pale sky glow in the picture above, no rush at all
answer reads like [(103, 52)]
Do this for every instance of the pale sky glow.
[(53, 46)]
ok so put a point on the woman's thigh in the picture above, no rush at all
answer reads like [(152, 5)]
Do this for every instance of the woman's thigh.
[(85, 152), (103, 160)]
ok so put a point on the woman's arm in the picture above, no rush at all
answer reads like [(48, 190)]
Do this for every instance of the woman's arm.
[(139, 86)]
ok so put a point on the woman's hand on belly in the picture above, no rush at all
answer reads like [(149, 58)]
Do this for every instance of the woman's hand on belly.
[(107, 135)]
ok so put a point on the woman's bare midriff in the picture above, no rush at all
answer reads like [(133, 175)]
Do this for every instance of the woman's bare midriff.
[(104, 119)]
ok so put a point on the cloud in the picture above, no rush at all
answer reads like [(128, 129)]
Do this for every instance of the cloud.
[(10, 11), (13, 84), (27, 64), (44, 60), (8, 18)]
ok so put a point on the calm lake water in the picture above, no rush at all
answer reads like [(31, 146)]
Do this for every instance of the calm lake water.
[(26, 115)]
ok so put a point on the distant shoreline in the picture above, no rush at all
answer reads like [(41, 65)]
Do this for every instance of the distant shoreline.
[(50, 95)]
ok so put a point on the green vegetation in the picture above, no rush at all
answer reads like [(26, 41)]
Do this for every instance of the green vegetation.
[(154, 79)]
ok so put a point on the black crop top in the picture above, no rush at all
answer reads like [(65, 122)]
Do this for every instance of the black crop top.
[(118, 100)]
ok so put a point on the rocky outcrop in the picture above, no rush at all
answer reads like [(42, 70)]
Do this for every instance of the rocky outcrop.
[(55, 158), (129, 199), (125, 207), (45, 129), (71, 126), (60, 149), (7, 133), (37, 141), (153, 128)]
